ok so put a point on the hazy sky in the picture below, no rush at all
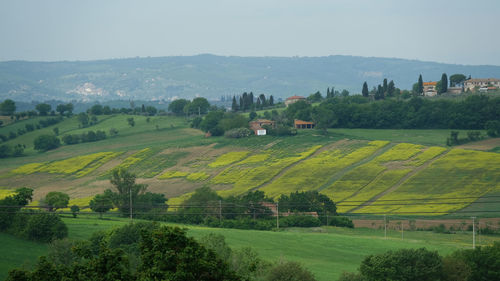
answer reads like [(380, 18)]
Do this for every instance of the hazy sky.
[(459, 31)]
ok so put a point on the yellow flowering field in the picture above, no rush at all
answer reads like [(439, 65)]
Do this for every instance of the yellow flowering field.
[(172, 174), (430, 153), (247, 177), (459, 173), (199, 176), (135, 158), (314, 172), (381, 183), (359, 178), (82, 164), (6, 192), (228, 158)]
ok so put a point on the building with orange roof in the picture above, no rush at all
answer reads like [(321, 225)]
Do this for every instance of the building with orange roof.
[(300, 124), (430, 89), (257, 126), (294, 99)]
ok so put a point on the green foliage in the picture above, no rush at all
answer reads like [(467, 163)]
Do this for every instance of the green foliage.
[(46, 142), (238, 133), (168, 254), (289, 271), (443, 85), (56, 200), (74, 210), (365, 91), (101, 203), (11, 205), (40, 226), (177, 106), (493, 128), (7, 107), (43, 108), (124, 183), (456, 79), (131, 121), (197, 106), (404, 264)]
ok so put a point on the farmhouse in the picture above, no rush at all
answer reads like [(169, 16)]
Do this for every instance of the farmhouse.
[(299, 124), (257, 126), (272, 207), (471, 84), (430, 89), (294, 99)]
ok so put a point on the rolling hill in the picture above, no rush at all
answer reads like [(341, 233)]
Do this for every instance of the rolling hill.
[(361, 170), (211, 76)]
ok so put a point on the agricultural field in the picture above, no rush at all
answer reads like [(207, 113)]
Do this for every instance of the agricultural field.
[(326, 251), (358, 169)]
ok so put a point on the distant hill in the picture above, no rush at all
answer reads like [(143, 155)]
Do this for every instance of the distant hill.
[(211, 76)]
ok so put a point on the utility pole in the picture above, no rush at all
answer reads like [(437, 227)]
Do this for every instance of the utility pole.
[(385, 228), (130, 193), (220, 211), (277, 216), (473, 232)]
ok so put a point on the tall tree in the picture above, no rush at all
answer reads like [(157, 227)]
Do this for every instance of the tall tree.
[(364, 91), (390, 89), (128, 190), (420, 85), (271, 100), (7, 107), (56, 200), (444, 84), (234, 105), (43, 108), (384, 85), (456, 79)]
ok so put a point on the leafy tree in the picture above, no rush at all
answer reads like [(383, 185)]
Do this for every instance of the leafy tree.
[(7, 107), (124, 183), (44, 227), (211, 121), (492, 128), (56, 200), (83, 119), (444, 84), (56, 131), (365, 90), (203, 203), (46, 142), (316, 97), (481, 263), (404, 264), (131, 121), (197, 106), (308, 201), (74, 210), (344, 93), (457, 79), (289, 271), (101, 203), (43, 108), (11, 205), (168, 254)]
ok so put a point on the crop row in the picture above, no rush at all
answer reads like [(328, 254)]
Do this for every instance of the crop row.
[(81, 165), (316, 171), (458, 174), (199, 176), (371, 178), (228, 158), (247, 177)]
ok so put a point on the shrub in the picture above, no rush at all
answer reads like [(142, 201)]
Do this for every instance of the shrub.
[(40, 226), (238, 133), (289, 271), (46, 142), (340, 221), (300, 221)]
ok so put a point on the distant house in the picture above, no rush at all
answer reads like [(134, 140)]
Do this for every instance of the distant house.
[(257, 126), (455, 90), (484, 83), (293, 99), (430, 89), (299, 124)]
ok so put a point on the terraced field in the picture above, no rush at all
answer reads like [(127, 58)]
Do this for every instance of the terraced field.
[(360, 175)]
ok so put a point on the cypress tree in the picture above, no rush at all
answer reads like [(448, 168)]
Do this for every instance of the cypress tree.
[(390, 89), (271, 100), (384, 85), (258, 103), (234, 106), (420, 88), (444, 83), (365, 90)]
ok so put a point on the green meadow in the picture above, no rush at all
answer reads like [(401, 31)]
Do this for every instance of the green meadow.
[(326, 251)]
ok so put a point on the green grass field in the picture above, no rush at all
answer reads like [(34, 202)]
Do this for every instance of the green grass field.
[(326, 251)]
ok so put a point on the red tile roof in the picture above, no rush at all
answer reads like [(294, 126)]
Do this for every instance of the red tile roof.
[(295, 98)]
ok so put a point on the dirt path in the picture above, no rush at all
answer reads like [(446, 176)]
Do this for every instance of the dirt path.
[(342, 172), (399, 183)]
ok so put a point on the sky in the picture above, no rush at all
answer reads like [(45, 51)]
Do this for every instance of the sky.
[(457, 32)]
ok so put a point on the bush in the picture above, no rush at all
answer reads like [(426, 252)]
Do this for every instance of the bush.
[(289, 271), (238, 133), (340, 221), (39, 226), (46, 142), (300, 221)]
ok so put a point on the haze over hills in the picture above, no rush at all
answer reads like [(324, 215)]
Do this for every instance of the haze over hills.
[(211, 76)]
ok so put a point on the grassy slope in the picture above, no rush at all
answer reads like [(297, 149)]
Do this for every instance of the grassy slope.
[(327, 251), (173, 137)]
